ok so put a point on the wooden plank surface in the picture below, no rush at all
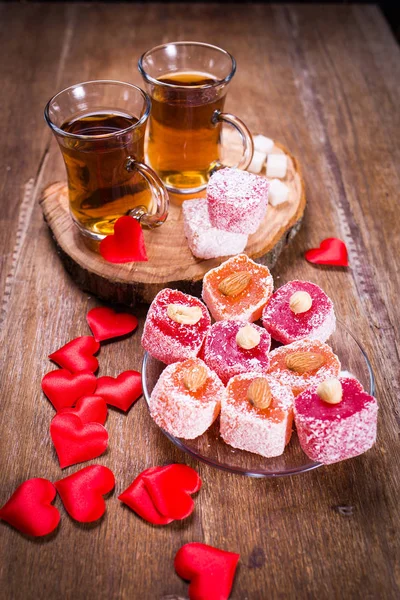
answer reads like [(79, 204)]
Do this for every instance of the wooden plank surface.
[(325, 81)]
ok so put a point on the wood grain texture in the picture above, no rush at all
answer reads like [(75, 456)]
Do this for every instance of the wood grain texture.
[(325, 81)]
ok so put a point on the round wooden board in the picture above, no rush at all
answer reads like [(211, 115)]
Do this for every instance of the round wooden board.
[(170, 264)]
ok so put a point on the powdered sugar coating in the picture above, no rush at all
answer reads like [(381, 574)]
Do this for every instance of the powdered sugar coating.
[(221, 352), (246, 306), (181, 412), (265, 432), (300, 382), (237, 200), (317, 323), (204, 240), (167, 340), (332, 432)]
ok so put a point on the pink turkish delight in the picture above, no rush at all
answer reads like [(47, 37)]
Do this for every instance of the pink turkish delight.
[(175, 326), (332, 432), (299, 310), (237, 200)]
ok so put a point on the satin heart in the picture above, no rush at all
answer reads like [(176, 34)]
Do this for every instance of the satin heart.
[(121, 392), (210, 571), (332, 251), (105, 323), (139, 500), (127, 243), (29, 509), (90, 409), (77, 355), (76, 442), (64, 388), (170, 490), (82, 492)]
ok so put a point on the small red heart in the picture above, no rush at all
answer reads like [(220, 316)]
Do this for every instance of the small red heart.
[(210, 571), (332, 251), (139, 500), (64, 388), (29, 509), (105, 323), (90, 409), (127, 243), (122, 391), (77, 442), (82, 492), (77, 355), (170, 490)]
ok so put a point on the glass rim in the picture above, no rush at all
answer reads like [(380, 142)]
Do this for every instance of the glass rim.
[(155, 81), (59, 131)]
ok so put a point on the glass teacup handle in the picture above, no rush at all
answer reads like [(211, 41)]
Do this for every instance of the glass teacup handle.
[(247, 140), (158, 191)]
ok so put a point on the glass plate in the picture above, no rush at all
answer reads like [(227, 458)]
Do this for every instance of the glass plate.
[(211, 449)]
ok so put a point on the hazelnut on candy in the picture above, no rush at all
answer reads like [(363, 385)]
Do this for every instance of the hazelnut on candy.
[(330, 391)]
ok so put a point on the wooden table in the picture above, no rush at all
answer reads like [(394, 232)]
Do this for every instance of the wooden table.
[(324, 80)]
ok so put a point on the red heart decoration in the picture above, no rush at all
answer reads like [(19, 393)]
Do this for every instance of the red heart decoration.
[(121, 391), (139, 500), (29, 509), (105, 323), (210, 571), (170, 490), (77, 355), (64, 388), (90, 409), (76, 442), (127, 243), (332, 251), (82, 492)]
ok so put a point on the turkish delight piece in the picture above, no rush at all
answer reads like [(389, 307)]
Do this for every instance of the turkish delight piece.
[(204, 240), (186, 399), (237, 200), (257, 414), (175, 326), (335, 420), (299, 310), (303, 364), (233, 347), (238, 289)]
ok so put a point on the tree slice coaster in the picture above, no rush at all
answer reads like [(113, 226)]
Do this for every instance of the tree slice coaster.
[(171, 263)]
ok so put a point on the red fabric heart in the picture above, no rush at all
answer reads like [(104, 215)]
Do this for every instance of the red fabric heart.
[(105, 323), (29, 509), (127, 243), (210, 571), (77, 355), (90, 409), (76, 442), (139, 500), (332, 251), (170, 490), (64, 388), (82, 492), (122, 391)]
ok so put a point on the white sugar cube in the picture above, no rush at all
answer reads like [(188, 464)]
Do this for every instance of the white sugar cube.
[(276, 165), (204, 240), (257, 162), (278, 192), (263, 144)]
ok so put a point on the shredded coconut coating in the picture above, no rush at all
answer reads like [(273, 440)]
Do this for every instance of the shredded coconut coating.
[(237, 200), (181, 412), (167, 340), (317, 323), (204, 240), (329, 433), (221, 352), (297, 382), (246, 306), (243, 426)]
